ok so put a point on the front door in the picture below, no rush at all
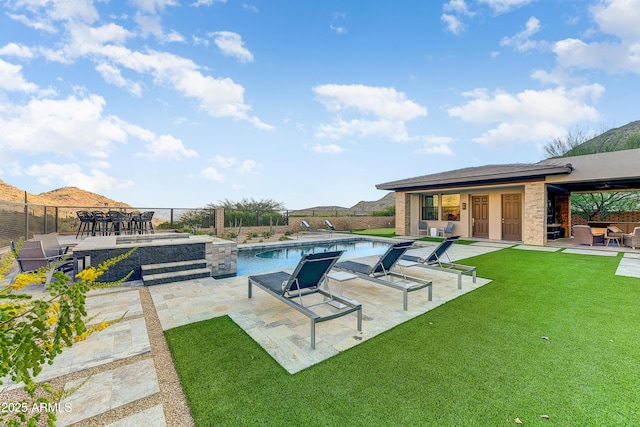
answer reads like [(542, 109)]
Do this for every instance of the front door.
[(480, 216), (511, 217)]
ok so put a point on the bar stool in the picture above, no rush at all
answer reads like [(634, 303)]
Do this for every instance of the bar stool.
[(117, 222), (86, 223), (101, 223)]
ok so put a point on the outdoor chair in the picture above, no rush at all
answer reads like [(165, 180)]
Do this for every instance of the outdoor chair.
[(583, 235), (448, 230), (423, 227), (381, 272), (333, 229), (51, 245), (86, 223), (633, 239), (118, 222), (100, 223), (32, 257), (435, 261), (307, 279), (306, 225)]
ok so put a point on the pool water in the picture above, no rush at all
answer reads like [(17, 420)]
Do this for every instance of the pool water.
[(257, 261)]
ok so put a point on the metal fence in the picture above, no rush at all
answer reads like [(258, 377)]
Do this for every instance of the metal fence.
[(22, 221)]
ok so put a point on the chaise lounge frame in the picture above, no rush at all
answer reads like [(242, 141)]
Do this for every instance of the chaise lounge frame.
[(307, 278)]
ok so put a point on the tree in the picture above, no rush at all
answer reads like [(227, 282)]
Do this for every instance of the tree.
[(34, 331), (561, 146), (597, 206), (264, 205)]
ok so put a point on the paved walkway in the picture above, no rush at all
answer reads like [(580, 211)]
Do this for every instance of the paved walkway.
[(127, 370)]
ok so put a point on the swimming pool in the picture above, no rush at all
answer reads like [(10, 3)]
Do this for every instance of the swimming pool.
[(256, 261)]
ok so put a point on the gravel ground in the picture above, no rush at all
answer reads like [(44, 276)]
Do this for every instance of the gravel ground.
[(171, 397)]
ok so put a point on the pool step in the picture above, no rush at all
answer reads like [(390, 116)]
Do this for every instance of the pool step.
[(169, 272)]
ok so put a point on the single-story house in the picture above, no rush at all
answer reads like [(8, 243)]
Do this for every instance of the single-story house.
[(512, 202)]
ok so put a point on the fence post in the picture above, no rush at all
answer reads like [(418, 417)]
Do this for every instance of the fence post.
[(219, 221)]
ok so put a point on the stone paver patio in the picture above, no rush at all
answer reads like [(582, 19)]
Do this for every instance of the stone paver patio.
[(122, 383)]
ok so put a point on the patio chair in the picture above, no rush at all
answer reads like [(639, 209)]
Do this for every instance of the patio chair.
[(306, 225), (633, 239), (86, 223), (32, 257), (333, 229), (423, 227), (583, 235), (305, 280), (381, 272), (448, 230), (435, 261), (100, 223), (51, 245)]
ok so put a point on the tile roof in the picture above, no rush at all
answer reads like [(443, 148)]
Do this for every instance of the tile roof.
[(480, 175)]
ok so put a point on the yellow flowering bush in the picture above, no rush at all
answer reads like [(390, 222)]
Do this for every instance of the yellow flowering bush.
[(33, 331)]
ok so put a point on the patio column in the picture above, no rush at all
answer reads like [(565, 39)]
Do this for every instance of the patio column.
[(535, 214), (403, 214), (219, 221)]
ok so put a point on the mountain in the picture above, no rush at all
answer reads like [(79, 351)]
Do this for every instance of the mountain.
[(66, 196), (362, 206), (625, 137)]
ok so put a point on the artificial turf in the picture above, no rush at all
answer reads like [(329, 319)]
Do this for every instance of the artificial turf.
[(552, 340)]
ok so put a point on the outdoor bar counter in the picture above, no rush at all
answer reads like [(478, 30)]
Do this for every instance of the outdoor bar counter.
[(221, 255)]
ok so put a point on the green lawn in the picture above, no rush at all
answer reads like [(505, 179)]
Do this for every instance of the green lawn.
[(553, 335)]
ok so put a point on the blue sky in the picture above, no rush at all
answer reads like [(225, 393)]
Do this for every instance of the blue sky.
[(167, 103)]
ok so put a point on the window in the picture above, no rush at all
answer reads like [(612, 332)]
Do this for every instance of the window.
[(451, 207), (429, 207)]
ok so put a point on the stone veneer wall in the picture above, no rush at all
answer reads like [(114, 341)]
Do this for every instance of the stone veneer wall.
[(342, 222), (535, 214), (222, 257), (403, 214)]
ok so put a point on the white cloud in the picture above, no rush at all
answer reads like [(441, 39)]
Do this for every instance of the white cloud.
[(250, 8), (521, 41), (225, 162), (207, 2), (112, 75), (502, 6), (382, 102), (248, 166), (70, 174), (528, 116), (17, 50), (617, 18), (212, 174), (442, 149), (167, 147), (11, 78), (457, 6), (391, 110), (231, 44), (327, 148), (452, 23), (338, 29), (61, 126)]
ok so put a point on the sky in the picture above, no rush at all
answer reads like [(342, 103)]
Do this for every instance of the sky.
[(167, 103)]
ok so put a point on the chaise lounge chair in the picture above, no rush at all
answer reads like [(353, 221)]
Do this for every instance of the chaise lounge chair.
[(333, 229), (435, 261), (305, 280), (31, 256), (51, 245), (381, 272)]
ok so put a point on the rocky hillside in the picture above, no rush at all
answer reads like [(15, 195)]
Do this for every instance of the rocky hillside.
[(362, 206), (66, 196), (623, 138)]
